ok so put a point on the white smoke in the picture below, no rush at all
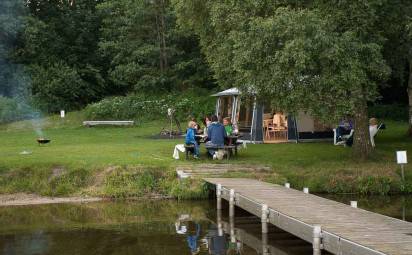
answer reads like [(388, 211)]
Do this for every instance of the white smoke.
[(15, 81)]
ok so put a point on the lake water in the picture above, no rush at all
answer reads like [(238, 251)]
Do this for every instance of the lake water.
[(154, 227)]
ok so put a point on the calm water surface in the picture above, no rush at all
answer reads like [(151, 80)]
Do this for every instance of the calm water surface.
[(154, 227)]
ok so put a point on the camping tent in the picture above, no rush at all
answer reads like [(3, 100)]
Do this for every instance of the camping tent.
[(258, 124)]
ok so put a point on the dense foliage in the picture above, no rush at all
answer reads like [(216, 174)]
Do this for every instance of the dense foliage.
[(67, 54), (384, 112), (12, 110), (147, 107)]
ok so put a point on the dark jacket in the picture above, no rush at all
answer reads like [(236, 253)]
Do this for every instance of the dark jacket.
[(216, 133)]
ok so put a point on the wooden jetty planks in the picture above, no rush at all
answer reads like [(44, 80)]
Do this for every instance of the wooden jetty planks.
[(345, 230)]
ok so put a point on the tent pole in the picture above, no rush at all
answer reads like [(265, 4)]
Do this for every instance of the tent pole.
[(253, 134), (234, 110), (217, 106)]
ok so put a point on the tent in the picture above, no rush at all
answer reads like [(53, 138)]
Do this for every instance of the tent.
[(259, 124)]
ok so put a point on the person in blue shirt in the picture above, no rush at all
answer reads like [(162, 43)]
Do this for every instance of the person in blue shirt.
[(216, 135), (191, 137)]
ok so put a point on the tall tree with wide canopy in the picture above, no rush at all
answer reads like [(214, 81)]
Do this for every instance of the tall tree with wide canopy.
[(299, 57)]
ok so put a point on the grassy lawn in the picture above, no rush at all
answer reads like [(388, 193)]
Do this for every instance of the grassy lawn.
[(82, 160)]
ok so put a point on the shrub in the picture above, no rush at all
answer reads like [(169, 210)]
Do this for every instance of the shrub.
[(60, 86), (139, 106), (389, 112), (12, 110)]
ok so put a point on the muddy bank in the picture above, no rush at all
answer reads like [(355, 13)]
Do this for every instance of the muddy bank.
[(33, 199)]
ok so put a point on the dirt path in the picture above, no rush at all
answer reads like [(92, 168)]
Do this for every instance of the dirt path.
[(33, 199)]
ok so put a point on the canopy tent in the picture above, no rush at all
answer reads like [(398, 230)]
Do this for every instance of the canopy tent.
[(259, 124)]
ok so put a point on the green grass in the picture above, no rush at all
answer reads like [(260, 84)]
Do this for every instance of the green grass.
[(126, 161)]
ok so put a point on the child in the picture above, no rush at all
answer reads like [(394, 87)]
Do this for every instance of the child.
[(191, 139), (228, 126)]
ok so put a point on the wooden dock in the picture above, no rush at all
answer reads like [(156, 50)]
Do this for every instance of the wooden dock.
[(249, 233), (335, 227)]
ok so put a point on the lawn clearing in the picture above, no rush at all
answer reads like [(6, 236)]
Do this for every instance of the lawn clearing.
[(91, 151)]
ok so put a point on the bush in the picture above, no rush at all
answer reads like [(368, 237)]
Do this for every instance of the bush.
[(12, 110), (60, 86), (137, 106), (389, 112)]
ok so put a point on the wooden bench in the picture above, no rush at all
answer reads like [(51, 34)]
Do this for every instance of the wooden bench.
[(91, 123), (228, 148)]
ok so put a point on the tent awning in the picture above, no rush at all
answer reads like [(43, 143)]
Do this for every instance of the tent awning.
[(228, 92)]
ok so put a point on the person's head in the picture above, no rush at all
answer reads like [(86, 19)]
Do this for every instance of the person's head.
[(214, 118), (373, 121), (191, 124), (226, 121), (206, 119)]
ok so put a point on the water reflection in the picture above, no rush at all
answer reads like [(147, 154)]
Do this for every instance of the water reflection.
[(160, 227)]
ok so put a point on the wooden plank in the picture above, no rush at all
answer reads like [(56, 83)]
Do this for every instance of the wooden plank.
[(346, 230)]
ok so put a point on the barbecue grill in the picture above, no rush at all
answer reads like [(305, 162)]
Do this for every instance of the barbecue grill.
[(43, 140)]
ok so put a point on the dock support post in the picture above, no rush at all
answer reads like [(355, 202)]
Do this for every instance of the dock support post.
[(219, 223), (317, 240), (354, 204), (306, 190), (232, 229), (287, 185), (232, 203), (219, 196), (265, 213), (265, 248)]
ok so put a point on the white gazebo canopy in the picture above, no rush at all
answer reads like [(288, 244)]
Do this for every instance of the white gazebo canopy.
[(228, 92)]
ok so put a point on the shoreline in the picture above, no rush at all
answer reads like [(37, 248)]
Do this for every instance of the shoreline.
[(22, 199)]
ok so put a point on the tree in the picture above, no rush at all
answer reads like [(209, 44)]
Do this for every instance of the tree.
[(144, 49), (62, 34), (298, 57), (12, 82), (408, 53)]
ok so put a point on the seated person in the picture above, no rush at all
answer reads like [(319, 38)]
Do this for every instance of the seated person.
[(373, 130), (206, 123), (228, 126), (191, 138), (344, 128), (216, 135), (197, 126)]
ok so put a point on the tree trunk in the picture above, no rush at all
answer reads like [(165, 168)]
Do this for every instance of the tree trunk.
[(159, 43), (410, 94), (163, 26), (161, 33), (361, 140)]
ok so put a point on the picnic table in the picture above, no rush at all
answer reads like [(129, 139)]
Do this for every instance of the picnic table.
[(231, 145)]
